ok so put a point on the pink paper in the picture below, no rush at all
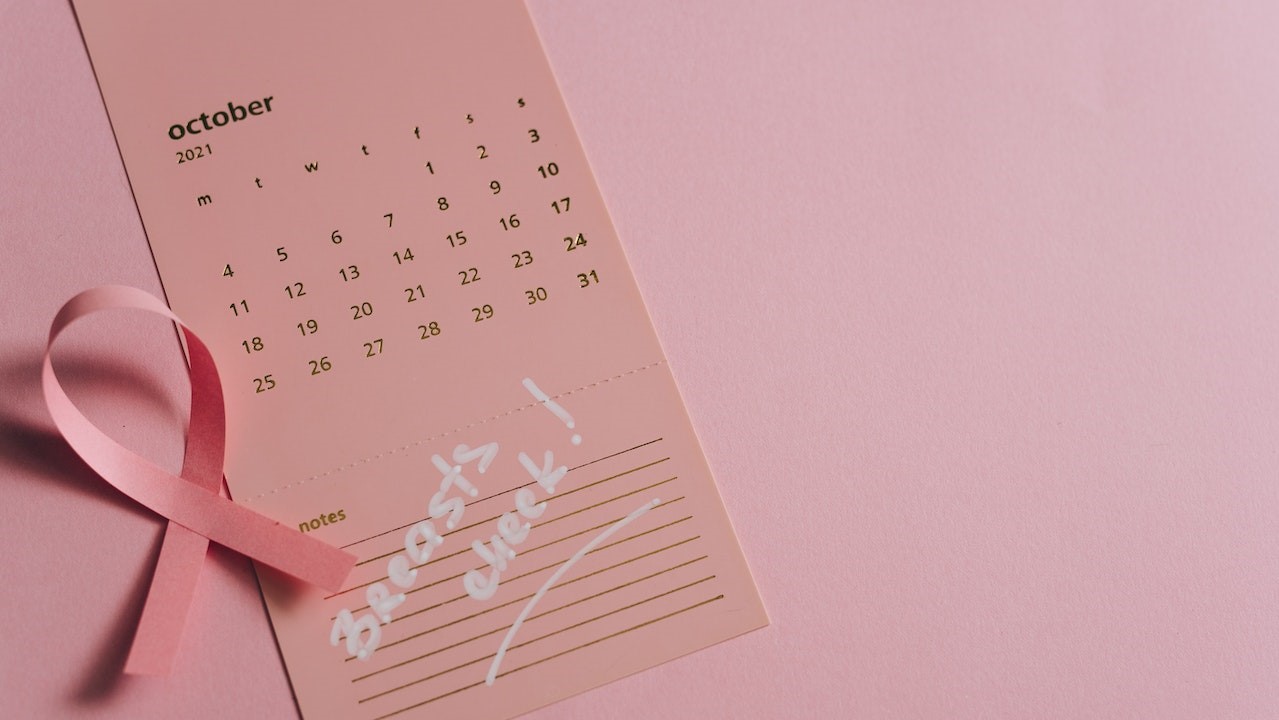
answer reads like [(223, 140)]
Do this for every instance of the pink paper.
[(433, 350)]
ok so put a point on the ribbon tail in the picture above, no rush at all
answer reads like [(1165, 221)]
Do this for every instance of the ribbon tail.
[(164, 616), (177, 571)]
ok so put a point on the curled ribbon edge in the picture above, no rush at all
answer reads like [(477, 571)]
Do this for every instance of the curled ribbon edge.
[(197, 513)]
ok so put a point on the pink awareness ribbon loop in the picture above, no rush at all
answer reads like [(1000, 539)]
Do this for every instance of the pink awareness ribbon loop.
[(191, 501)]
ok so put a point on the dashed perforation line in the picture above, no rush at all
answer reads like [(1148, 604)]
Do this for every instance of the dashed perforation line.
[(386, 453)]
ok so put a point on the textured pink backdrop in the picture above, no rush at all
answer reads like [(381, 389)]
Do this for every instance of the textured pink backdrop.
[(974, 310)]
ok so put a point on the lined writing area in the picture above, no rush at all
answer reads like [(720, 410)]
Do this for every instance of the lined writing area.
[(443, 642), (487, 521)]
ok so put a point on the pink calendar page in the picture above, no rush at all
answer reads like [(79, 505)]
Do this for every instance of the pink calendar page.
[(379, 217)]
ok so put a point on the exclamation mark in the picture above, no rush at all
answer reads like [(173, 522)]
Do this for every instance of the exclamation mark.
[(553, 406)]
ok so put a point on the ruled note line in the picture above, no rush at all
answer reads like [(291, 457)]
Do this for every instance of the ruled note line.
[(526, 643), (482, 612), (553, 657), (526, 552), (565, 606), (490, 497), (532, 572), (495, 517)]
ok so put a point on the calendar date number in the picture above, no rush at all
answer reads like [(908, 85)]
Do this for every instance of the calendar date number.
[(321, 366)]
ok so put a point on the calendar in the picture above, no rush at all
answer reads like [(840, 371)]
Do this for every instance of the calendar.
[(380, 219)]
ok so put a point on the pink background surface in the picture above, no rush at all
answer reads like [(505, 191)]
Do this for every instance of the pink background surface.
[(974, 311)]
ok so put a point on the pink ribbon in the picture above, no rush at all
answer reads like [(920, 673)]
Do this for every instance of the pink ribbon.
[(192, 502)]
